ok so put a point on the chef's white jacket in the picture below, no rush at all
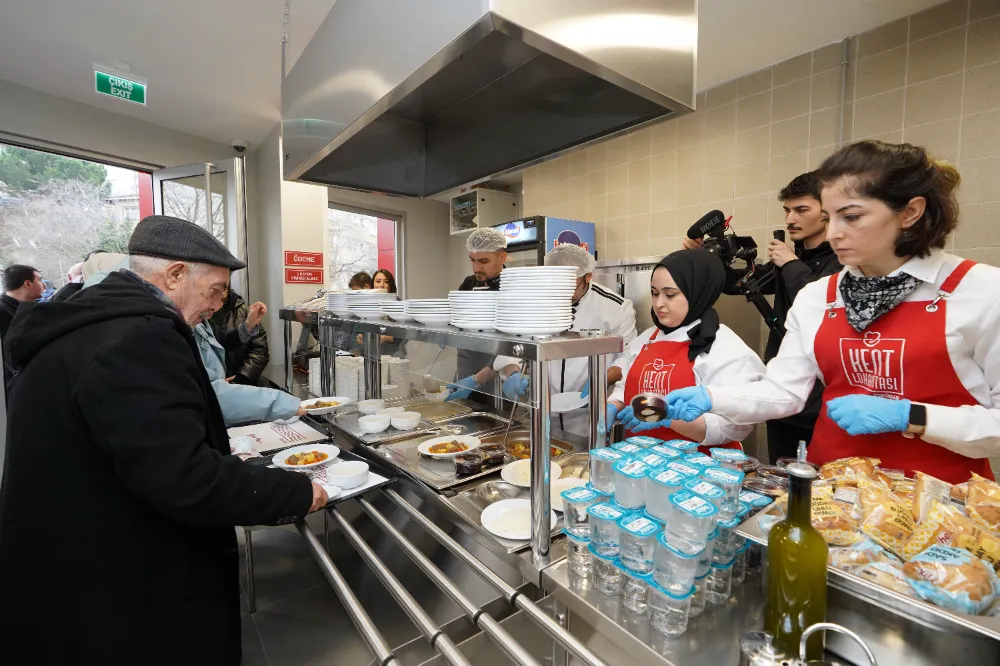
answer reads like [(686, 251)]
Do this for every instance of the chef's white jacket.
[(972, 329), (729, 361), (602, 310)]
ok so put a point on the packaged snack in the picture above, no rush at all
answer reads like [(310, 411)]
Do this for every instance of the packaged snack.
[(846, 497), (943, 526), (849, 470), (927, 489), (884, 518), (830, 520), (853, 558), (904, 490), (984, 545), (889, 476), (983, 502), (953, 578), (959, 492), (889, 576)]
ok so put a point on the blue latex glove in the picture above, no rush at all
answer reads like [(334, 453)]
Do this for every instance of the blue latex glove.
[(462, 388), (610, 416), (515, 386), (633, 424), (586, 390), (689, 403), (869, 414)]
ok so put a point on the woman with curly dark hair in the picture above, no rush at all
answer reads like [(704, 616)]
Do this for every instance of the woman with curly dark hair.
[(382, 279)]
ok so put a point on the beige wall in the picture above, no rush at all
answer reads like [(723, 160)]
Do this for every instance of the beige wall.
[(931, 79)]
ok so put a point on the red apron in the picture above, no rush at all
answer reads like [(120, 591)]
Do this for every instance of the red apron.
[(660, 368), (903, 354)]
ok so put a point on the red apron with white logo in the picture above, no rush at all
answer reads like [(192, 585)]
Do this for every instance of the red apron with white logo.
[(903, 354), (662, 367)]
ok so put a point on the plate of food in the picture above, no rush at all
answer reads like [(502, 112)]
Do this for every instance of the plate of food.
[(447, 447), (319, 406), (306, 456), (511, 519), (519, 473)]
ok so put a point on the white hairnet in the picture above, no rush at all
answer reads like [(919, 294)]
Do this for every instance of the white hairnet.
[(568, 254), (486, 240)]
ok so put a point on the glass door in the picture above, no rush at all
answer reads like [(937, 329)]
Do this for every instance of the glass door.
[(213, 196)]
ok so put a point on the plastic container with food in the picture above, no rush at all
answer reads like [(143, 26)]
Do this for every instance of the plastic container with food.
[(669, 453), (731, 481), (774, 472), (576, 501), (698, 596), (630, 483), (602, 468), (673, 569), (719, 584), (578, 553), (669, 610), (604, 528), (770, 487), (493, 454), (469, 462), (644, 441), (636, 542), (703, 488), (750, 466), (725, 546), (689, 522), (628, 449), (634, 590), (683, 445), (660, 485), (607, 576)]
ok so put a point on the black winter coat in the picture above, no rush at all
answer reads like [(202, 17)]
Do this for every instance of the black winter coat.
[(119, 495), (247, 361), (8, 308)]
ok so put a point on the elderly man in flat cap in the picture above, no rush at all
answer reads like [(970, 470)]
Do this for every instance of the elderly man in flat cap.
[(119, 495)]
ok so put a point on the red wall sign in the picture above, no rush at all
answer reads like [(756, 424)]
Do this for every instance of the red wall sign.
[(304, 276), (293, 258)]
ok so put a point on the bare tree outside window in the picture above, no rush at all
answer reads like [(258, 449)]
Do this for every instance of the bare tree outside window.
[(185, 198), (352, 242)]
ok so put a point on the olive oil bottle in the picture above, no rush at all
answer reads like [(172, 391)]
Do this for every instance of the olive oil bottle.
[(796, 576)]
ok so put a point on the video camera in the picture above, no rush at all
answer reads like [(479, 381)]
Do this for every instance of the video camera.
[(747, 279)]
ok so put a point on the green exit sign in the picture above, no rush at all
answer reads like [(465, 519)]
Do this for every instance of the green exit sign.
[(114, 85)]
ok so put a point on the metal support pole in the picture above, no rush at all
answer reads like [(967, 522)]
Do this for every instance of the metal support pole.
[(437, 638), (373, 365), (327, 354), (355, 611), (208, 198), (541, 502), (289, 373), (598, 400), (248, 549)]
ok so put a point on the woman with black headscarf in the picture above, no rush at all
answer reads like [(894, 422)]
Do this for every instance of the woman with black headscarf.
[(686, 346)]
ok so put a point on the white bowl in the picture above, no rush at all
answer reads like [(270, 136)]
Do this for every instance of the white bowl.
[(371, 406), (518, 473), (348, 474), (405, 420), (373, 423), (438, 396), (391, 410)]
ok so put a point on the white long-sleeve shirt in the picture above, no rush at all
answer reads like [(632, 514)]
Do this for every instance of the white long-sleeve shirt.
[(730, 361), (972, 331)]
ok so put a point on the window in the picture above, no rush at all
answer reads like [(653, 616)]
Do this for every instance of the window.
[(359, 242)]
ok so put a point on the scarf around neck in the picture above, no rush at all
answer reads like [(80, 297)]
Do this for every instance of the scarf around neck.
[(868, 298)]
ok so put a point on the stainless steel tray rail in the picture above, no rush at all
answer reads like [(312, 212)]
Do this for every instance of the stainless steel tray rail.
[(515, 598), (476, 615), (383, 653), (432, 633)]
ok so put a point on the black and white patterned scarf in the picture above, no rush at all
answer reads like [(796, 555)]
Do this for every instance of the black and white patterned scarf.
[(868, 298)]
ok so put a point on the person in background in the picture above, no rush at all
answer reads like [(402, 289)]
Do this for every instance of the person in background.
[(383, 280), (906, 336), (245, 359), (113, 398), (812, 259), (686, 346), (74, 282), (20, 284), (487, 250), (360, 280), (595, 308)]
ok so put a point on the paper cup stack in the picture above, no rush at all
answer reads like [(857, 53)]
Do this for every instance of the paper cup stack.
[(315, 386), (473, 310), (536, 300)]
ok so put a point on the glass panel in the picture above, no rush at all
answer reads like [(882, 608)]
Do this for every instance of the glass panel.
[(185, 198), (516, 258), (358, 247)]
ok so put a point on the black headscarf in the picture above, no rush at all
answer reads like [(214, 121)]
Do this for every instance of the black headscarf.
[(700, 276)]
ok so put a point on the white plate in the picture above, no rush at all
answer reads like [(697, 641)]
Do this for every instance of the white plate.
[(528, 320), (488, 326), (433, 321), (565, 402), (558, 486), (511, 519), (329, 449), (325, 410), (400, 317), (531, 270), (519, 472), (468, 440), (517, 330)]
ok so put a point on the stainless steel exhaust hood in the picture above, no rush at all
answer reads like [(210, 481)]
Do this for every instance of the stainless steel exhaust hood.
[(416, 97)]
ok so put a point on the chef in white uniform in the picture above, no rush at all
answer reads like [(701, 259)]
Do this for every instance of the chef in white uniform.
[(595, 308)]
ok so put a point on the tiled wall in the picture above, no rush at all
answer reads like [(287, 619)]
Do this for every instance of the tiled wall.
[(932, 79)]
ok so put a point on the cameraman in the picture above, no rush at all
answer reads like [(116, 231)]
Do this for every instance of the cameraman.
[(811, 260)]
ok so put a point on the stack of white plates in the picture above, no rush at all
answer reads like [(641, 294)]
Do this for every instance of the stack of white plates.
[(430, 311), (536, 300), (395, 310), (336, 302), (368, 304), (473, 310)]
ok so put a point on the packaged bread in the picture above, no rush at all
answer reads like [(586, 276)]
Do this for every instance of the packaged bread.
[(953, 578), (832, 522), (984, 545), (905, 491), (927, 489), (943, 525), (884, 517), (959, 492), (849, 470), (889, 476), (889, 576), (854, 558), (983, 502)]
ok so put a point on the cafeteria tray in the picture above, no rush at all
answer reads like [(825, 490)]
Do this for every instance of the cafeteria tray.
[(921, 612), (348, 422), (523, 435)]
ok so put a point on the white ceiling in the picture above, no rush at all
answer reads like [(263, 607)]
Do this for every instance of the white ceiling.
[(213, 65)]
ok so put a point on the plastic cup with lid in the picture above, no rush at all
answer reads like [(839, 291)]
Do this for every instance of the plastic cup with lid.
[(731, 481), (690, 519), (698, 598), (630, 483), (701, 461), (673, 569), (627, 448), (706, 489), (719, 584), (654, 460), (636, 541), (606, 574), (578, 554), (634, 589), (755, 501), (740, 564), (689, 471), (644, 441), (602, 468), (669, 610), (733, 458), (682, 445), (604, 527), (668, 452), (705, 557), (725, 546), (576, 501), (660, 485)]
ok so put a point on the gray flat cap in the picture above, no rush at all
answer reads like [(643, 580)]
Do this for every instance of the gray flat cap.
[(174, 238)]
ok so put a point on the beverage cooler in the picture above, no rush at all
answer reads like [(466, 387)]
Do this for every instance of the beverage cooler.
[(530, 238)]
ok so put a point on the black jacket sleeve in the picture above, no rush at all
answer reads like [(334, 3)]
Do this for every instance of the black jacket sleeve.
[(142, 397), (257, 357), (797, 274)]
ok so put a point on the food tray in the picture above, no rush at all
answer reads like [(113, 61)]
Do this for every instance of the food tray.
[(914, 609), (523, 436), (435, 411), (349, 423), (374, 467)]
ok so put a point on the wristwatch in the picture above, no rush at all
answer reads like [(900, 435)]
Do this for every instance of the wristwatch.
[(918, 420)]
